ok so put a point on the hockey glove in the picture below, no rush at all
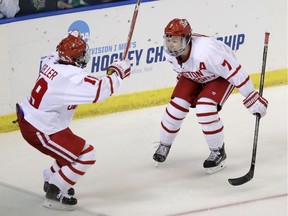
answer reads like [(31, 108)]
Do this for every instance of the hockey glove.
[(121, 67), (255, 103)]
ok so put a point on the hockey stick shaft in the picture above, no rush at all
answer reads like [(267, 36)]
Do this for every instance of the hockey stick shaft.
[(261, 86), (131, 30), (266, 41), (130, 34), (250, 174)]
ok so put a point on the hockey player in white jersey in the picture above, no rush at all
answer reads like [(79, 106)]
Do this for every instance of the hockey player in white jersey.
[(207, 73), (44, 116)]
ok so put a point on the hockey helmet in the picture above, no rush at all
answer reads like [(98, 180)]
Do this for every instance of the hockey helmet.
[(177, 28), (73, 50)]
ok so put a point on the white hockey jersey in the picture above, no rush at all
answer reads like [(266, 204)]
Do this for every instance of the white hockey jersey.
[(57, 92), (209, 59)]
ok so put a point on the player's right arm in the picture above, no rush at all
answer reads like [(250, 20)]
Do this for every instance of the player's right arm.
[(120, 67)]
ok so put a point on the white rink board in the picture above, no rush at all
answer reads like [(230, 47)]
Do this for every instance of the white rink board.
[(241, 24)]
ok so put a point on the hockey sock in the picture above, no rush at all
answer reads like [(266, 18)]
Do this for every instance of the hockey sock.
[(69, 175), (212, 126), (48, 172), (172, 119)]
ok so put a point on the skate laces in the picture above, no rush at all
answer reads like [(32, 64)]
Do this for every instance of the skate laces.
[(162, 149), (157, 144), (62, 195), (213, 155)]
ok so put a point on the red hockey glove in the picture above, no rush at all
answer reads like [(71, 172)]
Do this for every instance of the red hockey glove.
[(255, 103), (121, 67)]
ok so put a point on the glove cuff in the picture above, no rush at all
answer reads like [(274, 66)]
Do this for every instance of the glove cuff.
[(251, 99), (112, 69)]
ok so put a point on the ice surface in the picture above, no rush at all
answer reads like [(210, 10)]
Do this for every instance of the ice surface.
[(125, 182)]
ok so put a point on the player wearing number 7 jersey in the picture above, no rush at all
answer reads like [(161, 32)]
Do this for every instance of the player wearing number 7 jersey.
[(44, 117), (207, 73)]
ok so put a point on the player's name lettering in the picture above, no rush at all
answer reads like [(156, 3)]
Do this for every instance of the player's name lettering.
[(48, 72), (198, 76)]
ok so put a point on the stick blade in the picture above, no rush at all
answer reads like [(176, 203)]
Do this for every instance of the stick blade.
[(241, 180)]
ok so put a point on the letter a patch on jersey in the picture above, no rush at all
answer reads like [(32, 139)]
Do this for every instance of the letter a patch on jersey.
[(202, 66)]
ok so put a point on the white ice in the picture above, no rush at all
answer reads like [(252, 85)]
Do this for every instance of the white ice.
[(125, 182)]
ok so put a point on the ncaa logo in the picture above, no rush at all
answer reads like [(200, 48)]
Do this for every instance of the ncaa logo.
[(82, 27)]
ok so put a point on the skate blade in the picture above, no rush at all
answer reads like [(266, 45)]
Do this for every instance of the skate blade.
[(216, 169), (157, 164), (57, 205)]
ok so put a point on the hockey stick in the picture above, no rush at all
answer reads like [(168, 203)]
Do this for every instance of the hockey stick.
[(131, 30), (244, 179)]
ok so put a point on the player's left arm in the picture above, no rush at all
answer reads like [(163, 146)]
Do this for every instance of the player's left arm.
[(84, 88)]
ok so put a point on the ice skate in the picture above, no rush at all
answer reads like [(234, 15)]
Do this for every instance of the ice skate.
[(70, 191), (216, 161), (161, 153), (56, 199)]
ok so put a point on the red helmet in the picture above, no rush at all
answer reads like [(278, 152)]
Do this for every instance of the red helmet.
[(73, 50), (178, 27)]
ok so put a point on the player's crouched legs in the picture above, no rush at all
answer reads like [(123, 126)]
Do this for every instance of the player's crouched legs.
[(59, 195), (171, 122)]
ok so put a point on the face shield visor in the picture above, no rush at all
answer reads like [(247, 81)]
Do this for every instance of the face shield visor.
[(175, 45)]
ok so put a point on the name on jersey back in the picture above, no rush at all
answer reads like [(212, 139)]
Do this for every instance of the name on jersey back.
[(49, 72)]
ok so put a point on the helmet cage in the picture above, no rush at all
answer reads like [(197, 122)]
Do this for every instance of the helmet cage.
[(176, 52), (178, 28), (83, 60)]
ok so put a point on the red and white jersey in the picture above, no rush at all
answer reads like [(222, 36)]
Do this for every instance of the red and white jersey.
[(209, 59), (57, 92)]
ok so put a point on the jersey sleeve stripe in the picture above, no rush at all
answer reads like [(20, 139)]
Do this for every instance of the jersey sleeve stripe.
[(111, 85), (235, 72), (98, 92), (243, 83)]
